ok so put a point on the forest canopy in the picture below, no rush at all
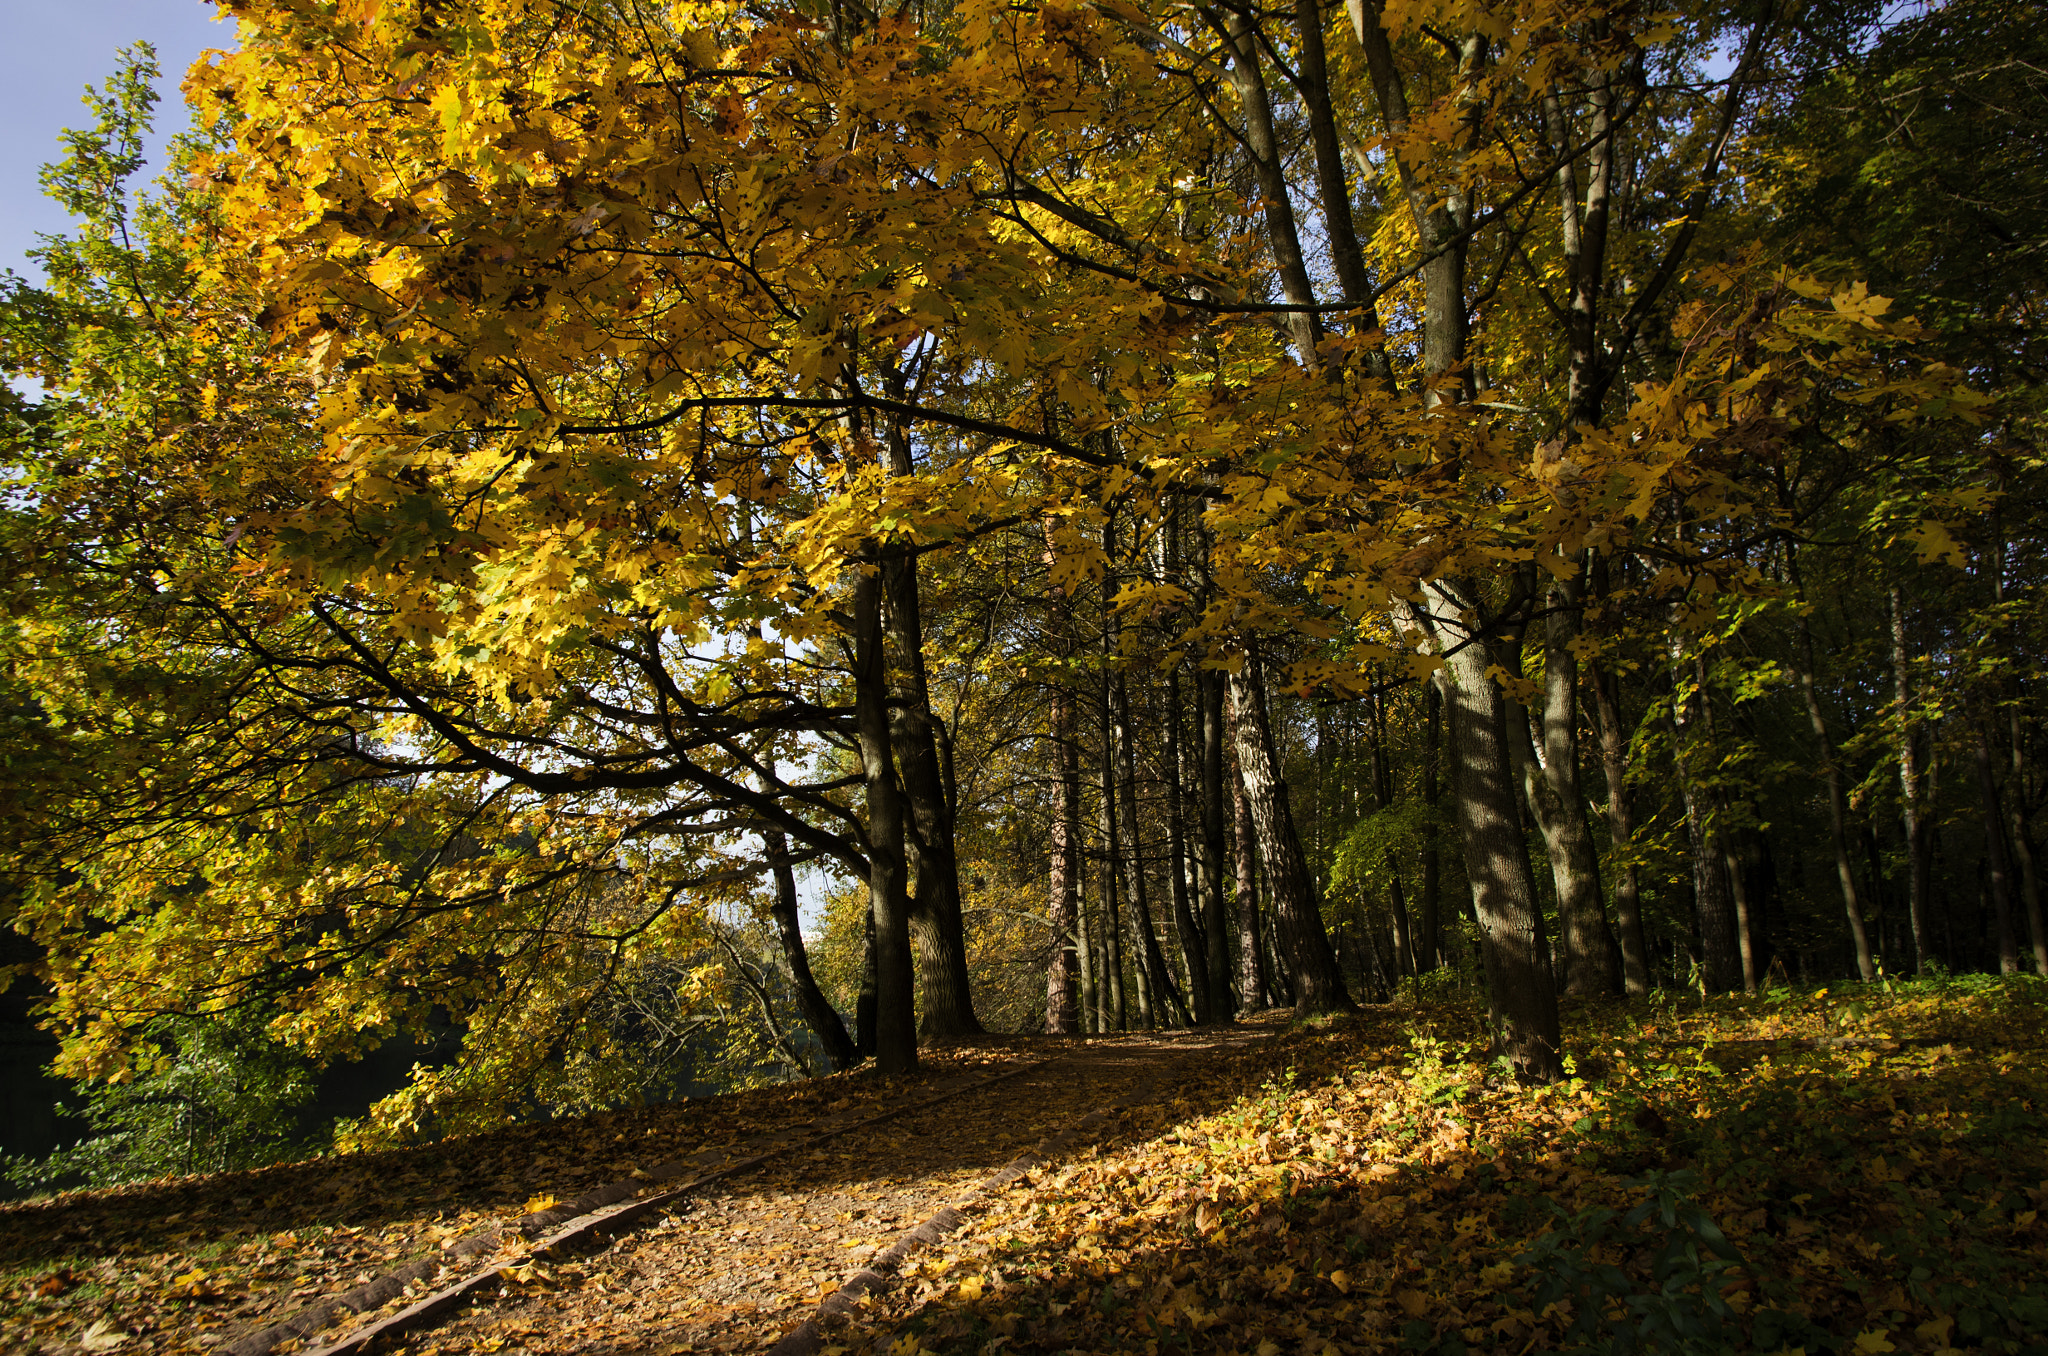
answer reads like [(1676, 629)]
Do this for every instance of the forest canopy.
[(1123, 512)]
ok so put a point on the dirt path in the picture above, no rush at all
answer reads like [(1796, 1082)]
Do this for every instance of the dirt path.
[(736, 1265)]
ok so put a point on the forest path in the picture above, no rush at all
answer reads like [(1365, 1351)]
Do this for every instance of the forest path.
[(735, 1265)]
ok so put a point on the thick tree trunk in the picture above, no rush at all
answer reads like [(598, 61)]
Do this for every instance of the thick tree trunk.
[(936, 926), (1918, 875), (888, 878), (818, 1011), (1511, 940), (1318, 984)]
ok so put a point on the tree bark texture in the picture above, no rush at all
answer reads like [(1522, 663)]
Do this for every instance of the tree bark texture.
[(1512, 945), (1297, 914), (888, 876)]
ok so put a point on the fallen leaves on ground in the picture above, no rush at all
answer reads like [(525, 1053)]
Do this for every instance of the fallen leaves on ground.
[(183, 1264), (1367, 1187)]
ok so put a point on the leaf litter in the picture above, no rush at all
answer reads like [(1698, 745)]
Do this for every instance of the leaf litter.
[(1850, 1171)]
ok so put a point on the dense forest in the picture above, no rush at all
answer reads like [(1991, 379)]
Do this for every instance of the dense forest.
[(622, 548)]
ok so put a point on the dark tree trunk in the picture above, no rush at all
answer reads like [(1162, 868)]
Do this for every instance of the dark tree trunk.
[(1720, 949), (1163, 996), (1589, 943), (1318, 984), (1512, 945), (1993, 818), (1628, 908), (1838, 809), (865, 1003), (1429, 918), (1193, 944), (888, 883), (822, 1017), (1215, 919), (936, 926)]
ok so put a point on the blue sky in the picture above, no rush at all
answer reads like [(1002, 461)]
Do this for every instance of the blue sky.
[(49, 51)]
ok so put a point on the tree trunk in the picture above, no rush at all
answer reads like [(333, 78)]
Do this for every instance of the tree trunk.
[(888, 884), (1428, 922), (1062, 1018), (936, 926), (1251, 969), (865, 1004), (1215, 919), (1720, 957), (818, 1012), (1063, 902), (1405, 959), (1918, 877), (1193, 945), (1512, 945), (1994, 851), (1838, 809), (1318, 984), (1162, 997), (1589, 943), (1628, 911)]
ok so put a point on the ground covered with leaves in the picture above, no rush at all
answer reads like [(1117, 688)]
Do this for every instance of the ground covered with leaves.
[(1850, 1171), (1856, 1171), (190, 1262)]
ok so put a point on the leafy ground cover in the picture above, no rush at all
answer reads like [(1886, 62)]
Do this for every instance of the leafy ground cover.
[(1854, 1170), (184, 1263)]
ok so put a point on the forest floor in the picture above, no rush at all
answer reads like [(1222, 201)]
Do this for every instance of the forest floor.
[(1856, 1170)]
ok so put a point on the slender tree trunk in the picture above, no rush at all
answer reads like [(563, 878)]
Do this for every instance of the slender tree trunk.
[(1838, 808), (1215, 919), (1428, 923), (1063, 903), (1918, 879), (2023, 847), (1512, 945), (1297, 914), (1589, 943), (888, 883), (1251, 971), (1720, 956), (818, 1011), (2016, 783), (1193, 945), (1994, 851), (1405, 959), (1164, 999), (1084, 941), (1628, 911), (866, 1003)]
